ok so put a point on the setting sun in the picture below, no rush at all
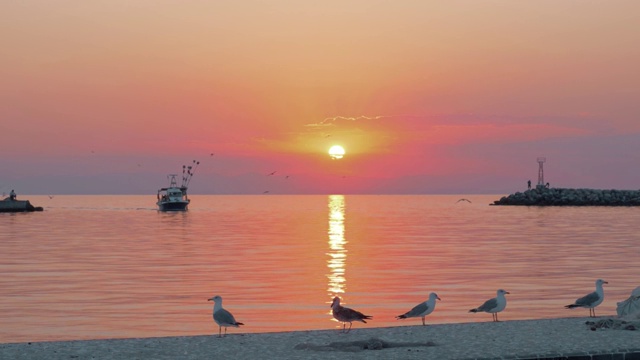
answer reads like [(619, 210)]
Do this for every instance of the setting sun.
[(336, 152)]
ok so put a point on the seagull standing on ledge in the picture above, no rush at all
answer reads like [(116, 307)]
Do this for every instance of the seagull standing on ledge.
[(591, 300), (346, 315), (493, 306), (221, 316), (421, 310)]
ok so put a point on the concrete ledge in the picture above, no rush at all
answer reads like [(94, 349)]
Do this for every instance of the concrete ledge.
[(568, 338)]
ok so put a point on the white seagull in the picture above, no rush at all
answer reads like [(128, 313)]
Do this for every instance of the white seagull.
[(221, 316), (493, 306), (591, 300), (346, 315), (421, 310)]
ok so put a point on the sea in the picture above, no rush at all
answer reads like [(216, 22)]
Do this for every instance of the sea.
[(97, 267)]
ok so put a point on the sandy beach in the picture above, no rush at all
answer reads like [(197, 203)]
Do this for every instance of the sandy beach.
[(548, 338)]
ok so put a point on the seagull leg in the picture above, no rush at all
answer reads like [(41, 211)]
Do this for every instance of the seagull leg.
[(350, 326), (220, 332), (423, 321)]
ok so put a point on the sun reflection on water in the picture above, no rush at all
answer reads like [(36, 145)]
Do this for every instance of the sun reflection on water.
[(337, 252)]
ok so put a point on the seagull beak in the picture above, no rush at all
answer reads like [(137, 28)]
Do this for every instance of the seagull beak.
[(438, 297), (210, 299)]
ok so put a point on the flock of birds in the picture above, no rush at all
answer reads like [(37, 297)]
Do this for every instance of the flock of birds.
[(345, 315)]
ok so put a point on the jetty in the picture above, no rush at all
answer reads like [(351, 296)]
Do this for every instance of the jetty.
[(11, 205), (544, 196)]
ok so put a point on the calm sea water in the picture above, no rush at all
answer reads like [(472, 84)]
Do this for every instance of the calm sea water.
[(92, 267)]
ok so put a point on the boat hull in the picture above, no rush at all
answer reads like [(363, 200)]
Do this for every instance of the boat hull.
[(173, 206)]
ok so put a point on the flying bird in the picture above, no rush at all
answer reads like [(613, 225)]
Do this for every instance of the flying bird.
[(421, 310), (493, 306), (272, 173), (591, 300), (221, 316), (463, 199), (346, 315)]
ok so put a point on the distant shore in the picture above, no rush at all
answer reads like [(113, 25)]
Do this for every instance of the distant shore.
[(543, 196), (521, 339)]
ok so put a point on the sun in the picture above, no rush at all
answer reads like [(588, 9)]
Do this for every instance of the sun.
[(336, 152)]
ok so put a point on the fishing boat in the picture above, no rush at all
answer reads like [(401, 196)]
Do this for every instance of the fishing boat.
[(174, 197)]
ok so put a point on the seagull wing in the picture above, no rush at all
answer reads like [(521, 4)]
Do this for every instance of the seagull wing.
[(347, 315), (224, 318), (417, 310), (588, 300), (489, 305)]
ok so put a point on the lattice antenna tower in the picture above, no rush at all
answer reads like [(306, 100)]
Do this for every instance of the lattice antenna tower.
[(541, 161)]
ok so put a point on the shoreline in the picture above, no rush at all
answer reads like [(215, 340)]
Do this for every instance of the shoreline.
[(515, 339)]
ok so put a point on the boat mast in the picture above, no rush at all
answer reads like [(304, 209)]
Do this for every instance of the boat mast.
[(187, 173), (172, 180)]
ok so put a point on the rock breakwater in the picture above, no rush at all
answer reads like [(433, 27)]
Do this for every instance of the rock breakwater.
[(9, 205), (571, 197)]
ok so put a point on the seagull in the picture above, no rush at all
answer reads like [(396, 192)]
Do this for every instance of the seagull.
[(463, 199), (221, 316), (591, 300), (421, 310), (272, 173), (493, 306), (346, 315)]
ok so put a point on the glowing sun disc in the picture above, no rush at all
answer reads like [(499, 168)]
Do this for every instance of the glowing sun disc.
[(336, 152)]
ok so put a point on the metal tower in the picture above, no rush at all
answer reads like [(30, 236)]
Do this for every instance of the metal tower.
[(541, 161)]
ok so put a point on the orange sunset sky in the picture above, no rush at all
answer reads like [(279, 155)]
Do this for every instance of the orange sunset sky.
[(461, 96)]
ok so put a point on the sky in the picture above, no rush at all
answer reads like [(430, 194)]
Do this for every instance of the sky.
[(426, 97)]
